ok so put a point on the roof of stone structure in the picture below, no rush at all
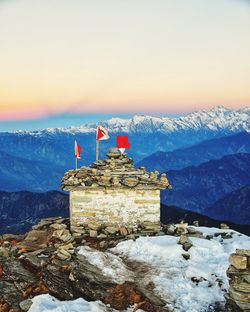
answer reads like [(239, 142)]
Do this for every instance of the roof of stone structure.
[(116, 171)]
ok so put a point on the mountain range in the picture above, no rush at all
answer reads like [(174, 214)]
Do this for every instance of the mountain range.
[(18, 173), (198, 153), (160, 134), (197, 188)]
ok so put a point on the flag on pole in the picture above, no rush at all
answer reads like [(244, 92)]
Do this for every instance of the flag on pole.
[(101, 133), (78, 150), (122, 143)]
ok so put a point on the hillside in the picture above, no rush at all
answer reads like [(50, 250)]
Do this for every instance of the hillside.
[(197, 188), (198, 154), (234, 207), (20, 210), (18, 174)]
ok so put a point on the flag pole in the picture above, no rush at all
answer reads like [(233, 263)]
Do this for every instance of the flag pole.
[(97, 150), (76, 162)]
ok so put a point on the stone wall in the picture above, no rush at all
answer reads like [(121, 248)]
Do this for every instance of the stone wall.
[(238, 296), (122, 207)]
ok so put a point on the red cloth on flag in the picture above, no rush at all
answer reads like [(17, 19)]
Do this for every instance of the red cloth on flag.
[(122, 141), (101, 133), (78, 150)]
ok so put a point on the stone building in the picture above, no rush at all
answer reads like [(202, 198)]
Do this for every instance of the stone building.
[(111, 192)]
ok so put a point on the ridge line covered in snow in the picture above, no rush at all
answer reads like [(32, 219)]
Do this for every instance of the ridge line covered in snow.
[(215, 119)]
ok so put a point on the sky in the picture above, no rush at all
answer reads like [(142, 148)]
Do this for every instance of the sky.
[(119, 57)]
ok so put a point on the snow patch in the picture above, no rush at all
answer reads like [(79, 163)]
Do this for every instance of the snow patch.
[(172, 275), (111, 265), (47, 303)]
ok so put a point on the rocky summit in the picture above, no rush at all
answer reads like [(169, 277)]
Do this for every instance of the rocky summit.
[(117, 170), (47, 260)]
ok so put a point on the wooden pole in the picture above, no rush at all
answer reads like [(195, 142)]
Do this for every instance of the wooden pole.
[(97, 150)]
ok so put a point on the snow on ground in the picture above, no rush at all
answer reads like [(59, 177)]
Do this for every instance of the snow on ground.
[(170, 272), (47, 303), (112, 266)]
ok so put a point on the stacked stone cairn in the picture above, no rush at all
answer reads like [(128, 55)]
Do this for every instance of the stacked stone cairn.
[(116, 172), (238, 296)]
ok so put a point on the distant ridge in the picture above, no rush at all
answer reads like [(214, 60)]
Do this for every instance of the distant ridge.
[(172, 214), (197, 188), (234, 207), (198, 153), (17, 173), (20, 210)]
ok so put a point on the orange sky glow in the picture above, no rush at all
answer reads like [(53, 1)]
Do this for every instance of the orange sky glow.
[(116, 56)]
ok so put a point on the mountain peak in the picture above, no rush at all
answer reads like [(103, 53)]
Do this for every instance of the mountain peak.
[(220, 108)]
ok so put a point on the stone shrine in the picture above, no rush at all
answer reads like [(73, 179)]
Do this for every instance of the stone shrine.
[(112, 192)]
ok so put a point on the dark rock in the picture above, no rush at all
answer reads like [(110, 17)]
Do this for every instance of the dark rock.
[(57, 282), (186, 256)]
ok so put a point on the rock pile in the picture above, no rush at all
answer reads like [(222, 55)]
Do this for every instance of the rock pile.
[(115, 171), (47, 260), (181, 228), (238, 297), (101, 230)]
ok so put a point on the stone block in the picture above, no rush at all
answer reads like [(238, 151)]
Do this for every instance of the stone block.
[(93, 233), (238, 261), (239, 296)]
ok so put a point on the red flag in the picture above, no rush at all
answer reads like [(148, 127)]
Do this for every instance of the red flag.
[(78, 150), (122, 142), (101, 133)]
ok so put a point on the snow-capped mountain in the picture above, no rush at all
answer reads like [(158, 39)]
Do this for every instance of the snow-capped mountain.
[(218, 118)]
